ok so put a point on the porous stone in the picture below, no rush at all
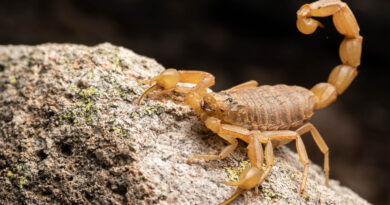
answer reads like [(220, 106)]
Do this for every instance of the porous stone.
[(71, 133)]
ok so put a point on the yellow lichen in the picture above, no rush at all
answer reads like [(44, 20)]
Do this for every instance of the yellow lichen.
[(21, 181), (79, 104), (133, 114), (12, 80), (10, 174), (75, 122), (269, 194), (89, 121), (234, 172), (74, 87), (90, 75), (150, 110), (88, 92), (117, 129), (88, 106), (133, 148)]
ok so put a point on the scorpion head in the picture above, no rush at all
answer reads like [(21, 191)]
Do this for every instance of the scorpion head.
[(209, 104), (216, 104), (223, 106)]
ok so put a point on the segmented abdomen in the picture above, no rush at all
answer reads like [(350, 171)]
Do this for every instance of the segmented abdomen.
[(278, 107)]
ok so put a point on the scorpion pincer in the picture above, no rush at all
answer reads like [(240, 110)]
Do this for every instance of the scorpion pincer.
[(270, 115)]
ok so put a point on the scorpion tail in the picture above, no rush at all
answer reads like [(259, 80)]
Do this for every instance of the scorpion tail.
[(350, 49)]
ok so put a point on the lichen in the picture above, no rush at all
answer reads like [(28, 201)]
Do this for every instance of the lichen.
[(88, 92), (120, 130), (269, 194), (10, 174), (21, 181), (234, 172), (12, 80), (81, 113)]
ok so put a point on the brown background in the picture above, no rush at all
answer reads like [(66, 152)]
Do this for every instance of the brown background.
[(239, 40)]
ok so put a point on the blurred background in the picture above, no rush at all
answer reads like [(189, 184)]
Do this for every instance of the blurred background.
[(239, 40)]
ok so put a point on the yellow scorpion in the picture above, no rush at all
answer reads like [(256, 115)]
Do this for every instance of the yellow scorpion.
[(270, 115)]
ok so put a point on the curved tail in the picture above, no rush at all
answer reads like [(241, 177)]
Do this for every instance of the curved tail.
[(350, 49)]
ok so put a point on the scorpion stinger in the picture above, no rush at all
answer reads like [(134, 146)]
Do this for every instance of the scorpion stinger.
[(271, 115)]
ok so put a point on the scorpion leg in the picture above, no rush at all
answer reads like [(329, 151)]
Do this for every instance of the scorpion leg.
[(291, 135), (252, 176), (251, 83), (320, 143), (225, 131), (269, 159), (224, 153)]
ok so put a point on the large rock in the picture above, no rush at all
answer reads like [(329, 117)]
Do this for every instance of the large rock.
[(72, 134)]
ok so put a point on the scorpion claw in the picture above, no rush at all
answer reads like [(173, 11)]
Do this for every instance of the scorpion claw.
[(154, 87), (166, 80)]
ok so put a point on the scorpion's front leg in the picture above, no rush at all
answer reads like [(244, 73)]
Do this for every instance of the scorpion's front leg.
[(225, 131)]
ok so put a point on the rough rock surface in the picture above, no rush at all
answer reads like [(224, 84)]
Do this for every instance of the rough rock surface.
[(71, 134)]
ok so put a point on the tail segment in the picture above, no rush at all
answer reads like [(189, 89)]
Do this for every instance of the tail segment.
[(350, 49)]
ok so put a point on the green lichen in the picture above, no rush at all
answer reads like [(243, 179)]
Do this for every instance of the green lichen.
[(10, 174), (82, 113), (88, 92), (120, 130)]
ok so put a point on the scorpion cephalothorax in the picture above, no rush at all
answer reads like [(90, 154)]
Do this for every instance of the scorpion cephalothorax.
[(270, 115)]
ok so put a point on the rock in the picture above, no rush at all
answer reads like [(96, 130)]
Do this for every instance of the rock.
[(72, 134)]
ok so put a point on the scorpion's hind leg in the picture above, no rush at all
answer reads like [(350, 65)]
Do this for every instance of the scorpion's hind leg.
[(291, 135), (320, 143)]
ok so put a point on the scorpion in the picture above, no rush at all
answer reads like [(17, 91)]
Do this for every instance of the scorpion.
[(270, 115)]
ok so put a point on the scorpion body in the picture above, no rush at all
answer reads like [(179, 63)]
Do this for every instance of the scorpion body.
[(270, 115), (266, 108)]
